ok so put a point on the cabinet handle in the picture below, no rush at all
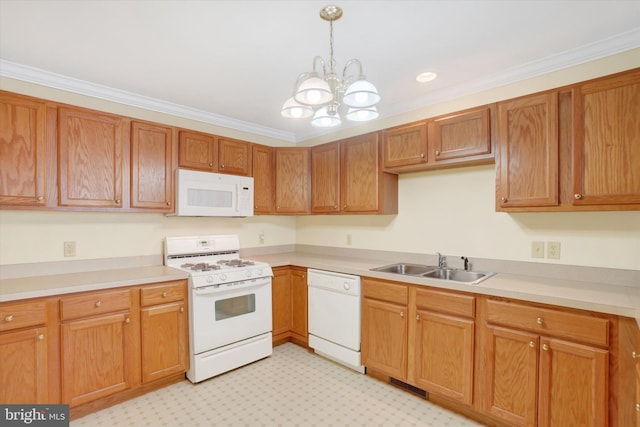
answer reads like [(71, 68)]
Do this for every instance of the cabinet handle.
[(417, 317), (222, 166), (532, 344), (344, 207), (127, 320), (9, 318), (539, 320), (437, 152), (98, 303), (638, 407), (402, 314), (210, 165), (165, 294), (422, 155), (335, 207), (545, 347), (117, 201), (577, 196), (40, 198), (40, 337), (635, 355), (168, 203), (181, 309), (504, 200)]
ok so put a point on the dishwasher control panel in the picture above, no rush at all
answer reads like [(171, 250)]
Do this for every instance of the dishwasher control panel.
[(337, 282)]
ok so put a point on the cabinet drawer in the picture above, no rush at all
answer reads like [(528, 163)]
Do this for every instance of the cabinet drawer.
[(385, 291), (14, 316), (446, 302), (545, 321), (160, 294), (94, 303)]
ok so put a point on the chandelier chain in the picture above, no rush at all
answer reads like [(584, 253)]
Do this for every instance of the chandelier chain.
[(332, 61)]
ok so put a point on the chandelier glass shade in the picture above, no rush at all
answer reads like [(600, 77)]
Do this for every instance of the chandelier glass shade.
[(323, 94)]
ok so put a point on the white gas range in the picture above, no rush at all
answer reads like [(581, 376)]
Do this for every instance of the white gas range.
[(229, 303)]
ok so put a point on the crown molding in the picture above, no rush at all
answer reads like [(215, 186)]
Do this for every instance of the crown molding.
[(57, 81)]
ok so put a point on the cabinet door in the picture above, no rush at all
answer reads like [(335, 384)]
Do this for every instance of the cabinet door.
[(511, 382), (573, 385), (360, 174), (96, 357), (527, 161), (292, 180), (384, 337), (90, 155), (325, 178), (299, 304), (405, 145), (151, 166), (197, 151), (22, 148), (461, 135), (234, 157), (23, 371), (164, 341), (281, 302), (606, 154), (263, 179), (444, 355)]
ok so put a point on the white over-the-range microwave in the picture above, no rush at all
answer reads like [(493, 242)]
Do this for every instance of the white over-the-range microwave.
[(213, 194)]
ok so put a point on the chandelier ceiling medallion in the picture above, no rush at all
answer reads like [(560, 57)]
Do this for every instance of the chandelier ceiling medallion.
[(321, 96)]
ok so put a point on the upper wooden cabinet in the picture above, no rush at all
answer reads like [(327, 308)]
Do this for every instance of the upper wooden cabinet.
[(234, 157), (264, 177), (405, 145), (91, 158), (197, 151), (152, 149), (462, 138), (527, 161), (574, 149), (606, 152), (292, 180), (364, 187), (212, 153), (23, 163), (325, 178)]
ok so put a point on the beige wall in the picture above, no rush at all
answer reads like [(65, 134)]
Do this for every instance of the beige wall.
[(447, 211)]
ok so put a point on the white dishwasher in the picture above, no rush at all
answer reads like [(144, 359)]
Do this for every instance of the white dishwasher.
[(334, 316)]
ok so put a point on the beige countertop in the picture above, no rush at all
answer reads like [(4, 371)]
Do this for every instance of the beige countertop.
[(612, 299), (604, 298), (56, 284)]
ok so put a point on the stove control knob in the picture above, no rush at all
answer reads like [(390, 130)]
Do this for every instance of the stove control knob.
[(259, 272), (209, 279), (248, 273), (346, 286), (223, 277)]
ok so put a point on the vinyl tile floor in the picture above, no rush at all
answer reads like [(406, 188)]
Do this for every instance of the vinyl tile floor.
[(293, 387)]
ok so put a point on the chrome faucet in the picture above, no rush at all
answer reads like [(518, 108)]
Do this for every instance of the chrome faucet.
[(442, 260), (466, 263)]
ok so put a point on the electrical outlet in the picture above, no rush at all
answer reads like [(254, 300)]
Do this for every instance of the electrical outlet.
[(261, 238), (537, 249), (349, 239), (69, 249), (553, 250)]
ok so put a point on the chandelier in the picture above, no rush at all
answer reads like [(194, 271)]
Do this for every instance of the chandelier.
[(321, 96)]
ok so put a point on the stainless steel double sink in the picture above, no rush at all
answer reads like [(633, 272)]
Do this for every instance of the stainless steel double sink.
[(435, 272)]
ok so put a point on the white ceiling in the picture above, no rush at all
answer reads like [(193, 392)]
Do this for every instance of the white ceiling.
[(233, 63)]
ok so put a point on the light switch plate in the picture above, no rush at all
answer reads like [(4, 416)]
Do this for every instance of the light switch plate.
[(537, 249)]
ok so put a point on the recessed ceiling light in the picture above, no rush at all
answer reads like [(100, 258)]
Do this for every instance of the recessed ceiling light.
[(426, 77)]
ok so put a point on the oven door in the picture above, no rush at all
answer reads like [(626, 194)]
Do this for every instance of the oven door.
[(229, 313)]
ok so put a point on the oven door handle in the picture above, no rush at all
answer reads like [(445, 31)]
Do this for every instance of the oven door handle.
[(238, 286)]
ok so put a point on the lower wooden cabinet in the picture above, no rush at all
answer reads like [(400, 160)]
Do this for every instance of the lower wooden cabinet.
[(164, 331), (93, 349), (24, 367), (384, 327), (535, 376), (289, 305)]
